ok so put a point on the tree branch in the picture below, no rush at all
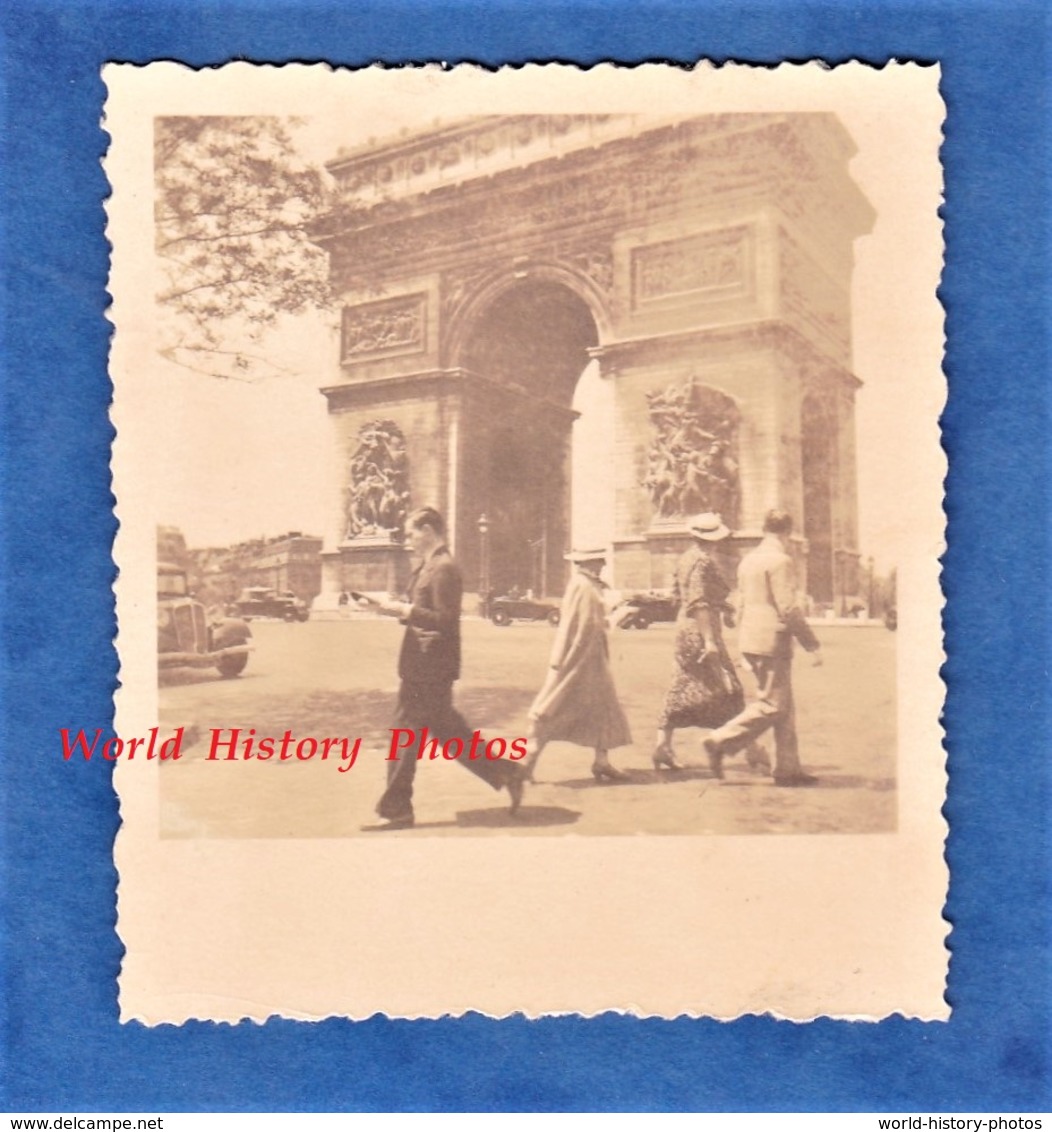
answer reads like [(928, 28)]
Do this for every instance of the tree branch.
[(173, 296), (275, 229), (171, 354)]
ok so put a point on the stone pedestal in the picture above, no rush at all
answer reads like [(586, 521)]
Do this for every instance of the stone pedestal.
[(368, 567)]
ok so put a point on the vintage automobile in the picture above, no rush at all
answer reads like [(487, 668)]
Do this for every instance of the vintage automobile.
[(259, 601), (187, 637), (640, 610), (504, 610)]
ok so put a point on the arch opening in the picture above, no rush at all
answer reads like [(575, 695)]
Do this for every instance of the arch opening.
[(535, 334), (530, 346)]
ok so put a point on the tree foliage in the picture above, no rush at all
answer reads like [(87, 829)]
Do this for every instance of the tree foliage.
[(233, 200)]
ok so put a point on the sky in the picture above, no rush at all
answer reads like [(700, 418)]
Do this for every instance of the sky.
[(273, 474)]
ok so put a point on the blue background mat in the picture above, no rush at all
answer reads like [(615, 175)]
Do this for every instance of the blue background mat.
[(65, 1049)]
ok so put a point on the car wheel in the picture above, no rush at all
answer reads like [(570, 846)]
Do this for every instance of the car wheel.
[(641, 621), (500, 617), (231, 666), (290, 615), (553, 618)]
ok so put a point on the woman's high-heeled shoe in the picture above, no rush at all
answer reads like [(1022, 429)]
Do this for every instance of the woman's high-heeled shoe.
[(533, 755), (665, 758), (605, 772)]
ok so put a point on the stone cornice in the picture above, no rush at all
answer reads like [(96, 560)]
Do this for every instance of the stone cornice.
[(624, 180), (770, 333), (478, 148), (430, 382)]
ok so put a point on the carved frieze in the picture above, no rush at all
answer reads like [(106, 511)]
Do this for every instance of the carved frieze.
[(390, 326), (711, 265), (472, 148), (652, 176), (595, 263), (458, 284)]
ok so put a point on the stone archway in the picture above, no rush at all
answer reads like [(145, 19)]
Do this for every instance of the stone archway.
[(527, 346)]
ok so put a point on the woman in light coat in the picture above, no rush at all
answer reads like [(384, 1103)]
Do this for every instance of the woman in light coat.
[(577, 702)]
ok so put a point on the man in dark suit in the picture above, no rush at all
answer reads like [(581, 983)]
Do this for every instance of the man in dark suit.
[(428, 664)]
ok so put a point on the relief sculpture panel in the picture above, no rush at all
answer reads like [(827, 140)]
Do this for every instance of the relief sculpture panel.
[(692, 462), (715, 264), (391, 326), (378, 493)]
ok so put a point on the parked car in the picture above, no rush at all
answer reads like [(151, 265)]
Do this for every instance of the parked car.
[(259, 601), (188, 637), (504, 610), (640, 610)]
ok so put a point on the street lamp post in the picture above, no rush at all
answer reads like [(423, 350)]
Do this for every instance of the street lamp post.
[(484, 595)]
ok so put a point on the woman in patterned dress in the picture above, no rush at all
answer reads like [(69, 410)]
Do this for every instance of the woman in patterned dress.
[(705, 691)]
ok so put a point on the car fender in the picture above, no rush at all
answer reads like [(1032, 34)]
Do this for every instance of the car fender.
[(230, 631)]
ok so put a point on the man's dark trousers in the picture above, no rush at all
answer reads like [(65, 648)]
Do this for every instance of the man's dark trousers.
[(430, 705)]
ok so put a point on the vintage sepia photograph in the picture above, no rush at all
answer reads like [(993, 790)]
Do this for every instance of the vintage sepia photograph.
[(580, 435), (611, 356)]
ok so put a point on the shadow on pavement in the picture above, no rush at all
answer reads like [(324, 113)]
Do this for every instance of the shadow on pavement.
[(825, 782), (634, 778), (379, 828), (177, 676), (527, 815), (855, 782)]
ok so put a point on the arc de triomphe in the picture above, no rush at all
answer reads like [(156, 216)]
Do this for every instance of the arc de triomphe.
[(696, 270)]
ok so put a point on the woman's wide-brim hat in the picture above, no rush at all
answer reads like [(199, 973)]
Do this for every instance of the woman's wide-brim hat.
[(587, 554), (708, 526)]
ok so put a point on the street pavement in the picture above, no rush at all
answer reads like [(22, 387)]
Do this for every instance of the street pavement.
[(337, 678)]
